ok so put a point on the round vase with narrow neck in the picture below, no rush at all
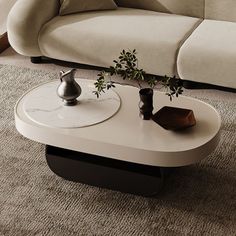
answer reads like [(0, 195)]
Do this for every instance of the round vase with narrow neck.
[(68, 89), (146, 103)]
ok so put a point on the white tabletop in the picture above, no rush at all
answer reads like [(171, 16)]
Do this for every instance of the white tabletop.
[(43, 106), (125, 136)]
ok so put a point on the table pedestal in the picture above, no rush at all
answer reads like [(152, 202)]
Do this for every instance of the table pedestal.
[(105, 172)]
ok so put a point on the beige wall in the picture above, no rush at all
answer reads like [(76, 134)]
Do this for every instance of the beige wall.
[(5, 6)]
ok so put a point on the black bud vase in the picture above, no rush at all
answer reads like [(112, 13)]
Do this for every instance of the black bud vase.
[(146, 103)]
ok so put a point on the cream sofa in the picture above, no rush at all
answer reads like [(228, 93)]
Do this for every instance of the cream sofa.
[(192, 39)]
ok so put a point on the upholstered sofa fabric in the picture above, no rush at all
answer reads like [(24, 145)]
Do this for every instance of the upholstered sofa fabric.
[(220, 10), (75, 6), (193, 8), (96, 38), (209, 54), (169, 40), (25, 20)]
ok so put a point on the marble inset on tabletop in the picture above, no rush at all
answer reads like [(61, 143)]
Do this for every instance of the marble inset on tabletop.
[(43, 106)]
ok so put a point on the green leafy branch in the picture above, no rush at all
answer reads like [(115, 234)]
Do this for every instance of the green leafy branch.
[(102, 84), (126, 66), (174, 87)]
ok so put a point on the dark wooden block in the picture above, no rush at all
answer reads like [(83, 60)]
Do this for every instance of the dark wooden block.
[(174, 118)]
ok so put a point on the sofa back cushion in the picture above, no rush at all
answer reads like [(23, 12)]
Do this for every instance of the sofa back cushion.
[(220, 10), (76, 6), (193, 8)]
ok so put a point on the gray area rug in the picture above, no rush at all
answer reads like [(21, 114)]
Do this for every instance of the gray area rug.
[(197, 200)]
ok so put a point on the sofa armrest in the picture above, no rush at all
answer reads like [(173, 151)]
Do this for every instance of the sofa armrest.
[(24, 22)]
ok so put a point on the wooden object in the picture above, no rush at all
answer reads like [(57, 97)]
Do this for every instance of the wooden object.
[(4, 44), (174, 118)]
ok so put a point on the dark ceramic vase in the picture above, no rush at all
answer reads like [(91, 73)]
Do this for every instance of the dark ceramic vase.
[(146, 103)]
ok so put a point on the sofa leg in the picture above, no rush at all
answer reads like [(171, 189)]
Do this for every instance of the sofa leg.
[(36, 60), (188, 84), (194, 85)]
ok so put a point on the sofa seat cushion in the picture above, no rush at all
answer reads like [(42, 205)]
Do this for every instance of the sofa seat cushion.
[(96, 38), (209, 54)]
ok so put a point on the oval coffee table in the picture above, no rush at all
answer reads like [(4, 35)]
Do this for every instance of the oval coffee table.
[(123, 152)]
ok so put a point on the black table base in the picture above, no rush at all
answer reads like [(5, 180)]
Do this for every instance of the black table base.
[(105, 172)]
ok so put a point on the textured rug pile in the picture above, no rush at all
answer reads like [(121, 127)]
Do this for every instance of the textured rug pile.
[(197, 200)]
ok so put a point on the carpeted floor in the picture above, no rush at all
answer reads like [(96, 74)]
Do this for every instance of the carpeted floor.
[(197, 200)]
